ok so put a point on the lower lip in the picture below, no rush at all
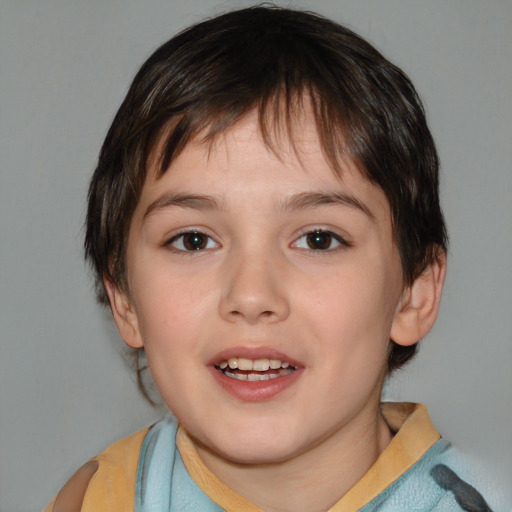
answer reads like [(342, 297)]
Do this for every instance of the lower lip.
[(257, 391)]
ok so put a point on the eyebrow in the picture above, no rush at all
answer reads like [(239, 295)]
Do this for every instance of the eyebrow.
[(300, 201), (314, 199), (192, 201)]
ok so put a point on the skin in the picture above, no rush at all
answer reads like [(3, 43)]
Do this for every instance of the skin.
[(258, 284)]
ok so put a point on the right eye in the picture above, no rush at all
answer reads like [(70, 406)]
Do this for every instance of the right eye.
[(320, 240), (192, 241)]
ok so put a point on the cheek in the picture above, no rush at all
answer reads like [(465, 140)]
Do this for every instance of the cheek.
[(350, 317), (173, 314), (356, 300), (169, 299)]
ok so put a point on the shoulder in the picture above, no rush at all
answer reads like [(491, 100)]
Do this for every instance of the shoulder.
[(111, 473), (71, 496), (441, 481), (458, 477)]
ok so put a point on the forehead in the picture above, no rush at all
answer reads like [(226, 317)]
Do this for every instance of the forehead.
[(289, 134), (282, 121)]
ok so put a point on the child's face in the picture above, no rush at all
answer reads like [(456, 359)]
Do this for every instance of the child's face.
[(240, 255)]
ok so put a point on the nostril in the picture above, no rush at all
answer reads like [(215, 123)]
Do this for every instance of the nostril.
[(265, 313)]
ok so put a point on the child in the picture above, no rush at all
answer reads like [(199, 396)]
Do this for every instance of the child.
[(264, 223)]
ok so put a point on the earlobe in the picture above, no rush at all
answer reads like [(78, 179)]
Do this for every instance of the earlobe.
[(124, 314), (419, 305)]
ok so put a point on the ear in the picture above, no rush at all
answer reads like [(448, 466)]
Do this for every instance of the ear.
[(124, 314), (419, 304)]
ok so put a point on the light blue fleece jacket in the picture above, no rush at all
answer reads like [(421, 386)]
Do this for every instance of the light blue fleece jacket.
[(432, 484)]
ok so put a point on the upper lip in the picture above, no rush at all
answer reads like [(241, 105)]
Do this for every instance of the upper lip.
[(261, 352)]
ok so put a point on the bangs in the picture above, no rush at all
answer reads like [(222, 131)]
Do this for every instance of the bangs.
[(279, 114), (203, 81), (279, 73)]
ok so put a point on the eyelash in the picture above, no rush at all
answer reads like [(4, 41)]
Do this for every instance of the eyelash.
[(329, 235), (322, 235), (180, 237)]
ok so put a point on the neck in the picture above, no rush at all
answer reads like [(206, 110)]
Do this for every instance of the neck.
[(312, 481)]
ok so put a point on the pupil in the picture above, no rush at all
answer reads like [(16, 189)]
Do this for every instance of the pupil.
[(319, 240), (194, 241)]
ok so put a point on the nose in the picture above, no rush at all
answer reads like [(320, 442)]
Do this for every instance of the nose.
[(254, 291)]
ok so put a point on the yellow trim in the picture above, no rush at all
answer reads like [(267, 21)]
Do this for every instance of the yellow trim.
[(415, 435), (112, 487), (216, 490), (115, 492)]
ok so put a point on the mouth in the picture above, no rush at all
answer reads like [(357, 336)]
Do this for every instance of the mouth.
[(255, 374), (254, 370)]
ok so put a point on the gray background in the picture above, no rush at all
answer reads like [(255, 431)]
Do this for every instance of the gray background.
[(64, 68)]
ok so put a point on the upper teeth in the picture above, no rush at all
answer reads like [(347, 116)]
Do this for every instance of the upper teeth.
[(259, 365)]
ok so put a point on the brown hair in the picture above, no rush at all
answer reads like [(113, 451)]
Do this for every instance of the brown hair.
[(267, 58)]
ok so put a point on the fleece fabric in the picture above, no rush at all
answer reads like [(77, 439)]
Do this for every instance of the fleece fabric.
[(159, 470)]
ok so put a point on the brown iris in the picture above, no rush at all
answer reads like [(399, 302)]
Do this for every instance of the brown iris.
[(194, 241), (319, 240)]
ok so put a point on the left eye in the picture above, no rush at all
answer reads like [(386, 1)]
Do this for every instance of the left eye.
[(319, 240), (192, 241)]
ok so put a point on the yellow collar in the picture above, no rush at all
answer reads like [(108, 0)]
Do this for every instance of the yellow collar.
[(414, 436)]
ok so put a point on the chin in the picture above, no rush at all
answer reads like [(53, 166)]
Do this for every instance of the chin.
[(257, 447), (256, 455)]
